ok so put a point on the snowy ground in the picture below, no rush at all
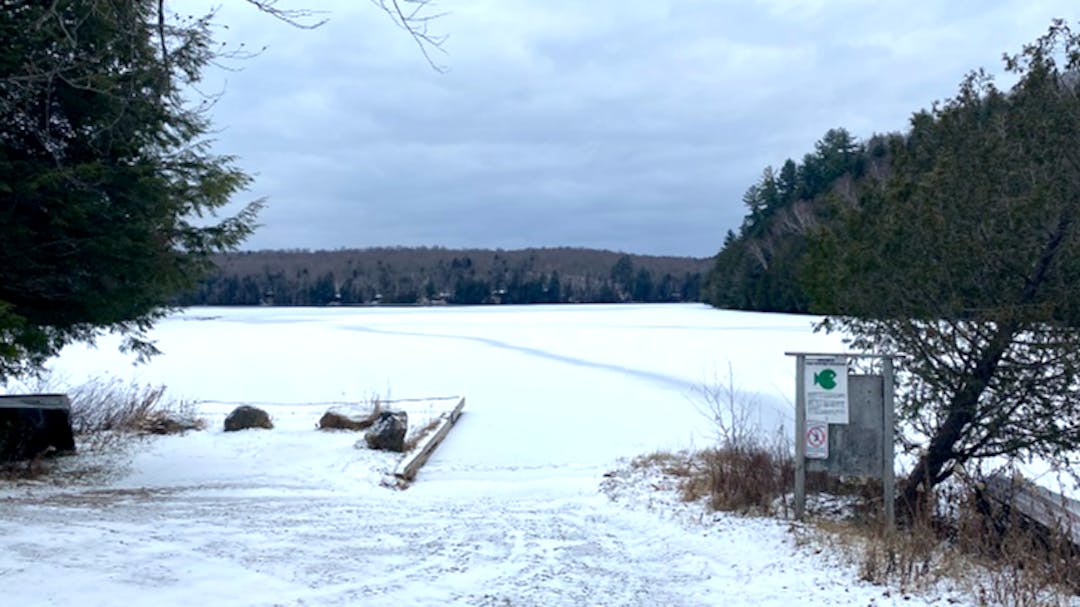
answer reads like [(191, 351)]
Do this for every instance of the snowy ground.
[(510, 509)]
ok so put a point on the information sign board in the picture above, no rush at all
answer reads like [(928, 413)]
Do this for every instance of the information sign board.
[(826, 389)]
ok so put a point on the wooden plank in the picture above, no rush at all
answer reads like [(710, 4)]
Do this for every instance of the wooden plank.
[(800, 437), (35, 401), (1047, 508), (888, 458), (408, 468)]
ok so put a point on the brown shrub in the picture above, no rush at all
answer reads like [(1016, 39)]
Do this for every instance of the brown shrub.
[(162, 422), (743, 479), (104, 410), (997, 555), (1033, 565), (27, 469), (109, 405), (681, 465), (746, 472)]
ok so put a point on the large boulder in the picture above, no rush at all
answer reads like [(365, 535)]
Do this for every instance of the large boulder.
[(388, 433), (246, 416), (350, 417)]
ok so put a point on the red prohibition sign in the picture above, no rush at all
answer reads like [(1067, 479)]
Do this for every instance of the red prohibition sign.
[(815, 436)]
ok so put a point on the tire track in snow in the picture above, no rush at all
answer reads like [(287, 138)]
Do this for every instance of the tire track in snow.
[(772, 414), (377, 551), (668, 381), (392, 549)]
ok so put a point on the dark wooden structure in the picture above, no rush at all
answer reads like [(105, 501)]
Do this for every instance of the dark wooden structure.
[(34, 424)]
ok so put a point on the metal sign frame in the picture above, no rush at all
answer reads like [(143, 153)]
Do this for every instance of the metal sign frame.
[(888, 479)]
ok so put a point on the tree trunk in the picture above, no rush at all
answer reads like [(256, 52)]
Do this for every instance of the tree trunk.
[(961, 413), (964, 405)]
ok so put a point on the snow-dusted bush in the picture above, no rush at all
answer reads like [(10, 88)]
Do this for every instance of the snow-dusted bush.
[(104, 409)]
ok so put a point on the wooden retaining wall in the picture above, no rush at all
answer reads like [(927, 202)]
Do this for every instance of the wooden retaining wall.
[(407, 469), (1051, 510)]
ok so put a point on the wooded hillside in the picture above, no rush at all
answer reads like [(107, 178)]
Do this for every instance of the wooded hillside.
[(762, 266)]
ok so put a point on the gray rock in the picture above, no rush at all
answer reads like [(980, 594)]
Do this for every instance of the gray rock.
[(388, 433), (246, 416)]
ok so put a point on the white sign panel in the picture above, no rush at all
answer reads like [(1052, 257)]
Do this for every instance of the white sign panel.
[(817, 440), (825, 382)]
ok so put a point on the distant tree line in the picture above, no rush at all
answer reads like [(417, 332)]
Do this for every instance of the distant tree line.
[(436, 276)]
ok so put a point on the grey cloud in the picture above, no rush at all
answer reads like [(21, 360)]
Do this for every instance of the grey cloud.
[(626, 125)]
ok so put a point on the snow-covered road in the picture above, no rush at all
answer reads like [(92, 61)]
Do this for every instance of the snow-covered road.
[(228, 529)]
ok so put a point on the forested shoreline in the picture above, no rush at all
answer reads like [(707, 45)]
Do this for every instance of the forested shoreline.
[(765, 264), (433, 275)]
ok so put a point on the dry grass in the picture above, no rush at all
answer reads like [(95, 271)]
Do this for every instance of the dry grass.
[(911, 559), (417, 436), (335, 419), (104, 410), (745, 472), (105, 415), (751, 481), (1031, 565), (24, 470), (746, 480), (984, 552), (994, 554), (680, 465)]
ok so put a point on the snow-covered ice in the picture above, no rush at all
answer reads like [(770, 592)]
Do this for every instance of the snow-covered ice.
[(509, 511)]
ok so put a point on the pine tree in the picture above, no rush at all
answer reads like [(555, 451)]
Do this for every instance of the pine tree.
[(105, 172)]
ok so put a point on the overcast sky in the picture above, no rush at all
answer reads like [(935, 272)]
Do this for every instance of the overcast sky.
[(632, 125)]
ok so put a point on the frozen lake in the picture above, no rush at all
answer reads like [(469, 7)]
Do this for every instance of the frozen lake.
[(540, 381)]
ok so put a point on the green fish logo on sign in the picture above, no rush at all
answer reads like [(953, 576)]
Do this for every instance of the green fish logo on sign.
[(826, 379)]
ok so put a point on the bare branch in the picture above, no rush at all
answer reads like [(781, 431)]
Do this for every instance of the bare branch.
[(410, 15), (296, 17), (416, 23)]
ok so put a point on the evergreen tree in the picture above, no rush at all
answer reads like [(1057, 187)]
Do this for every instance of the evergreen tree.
[(622, 274), (104, 168), (759, 268), (643, 286), (789, 180), (965, 264)]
